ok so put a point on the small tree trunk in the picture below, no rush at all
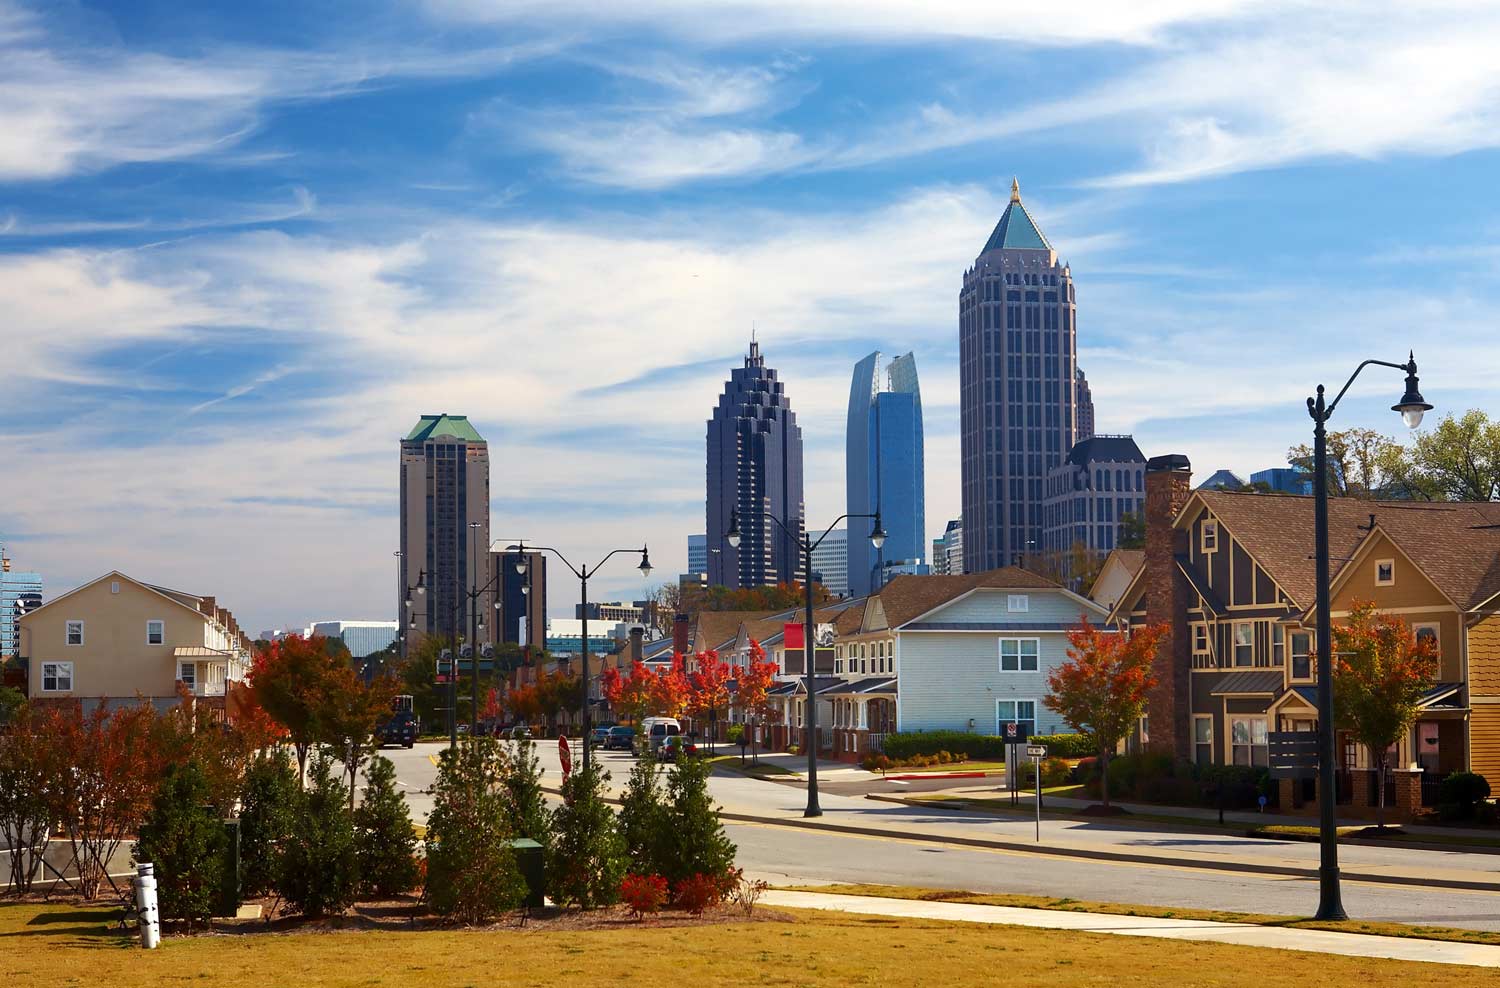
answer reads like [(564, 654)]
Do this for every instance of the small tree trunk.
[(1379, 788), (1104, 776)]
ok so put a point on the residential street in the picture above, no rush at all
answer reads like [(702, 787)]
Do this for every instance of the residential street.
[(915, 853)]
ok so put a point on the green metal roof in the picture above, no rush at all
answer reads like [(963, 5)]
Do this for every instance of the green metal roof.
[(456, 426), (1016, 229)]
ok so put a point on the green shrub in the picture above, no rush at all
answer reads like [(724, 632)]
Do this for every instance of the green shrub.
[(1066, 745), (471, 869), (384, 839), (1460, 793), (905, 745), (643, 820), (1055, 772), (267, 797), (736, 734), (526, 813), (699, 845), (186, 842), (317, 871), (587, 860)]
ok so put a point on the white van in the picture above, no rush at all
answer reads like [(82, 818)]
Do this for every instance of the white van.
[(654, 731)]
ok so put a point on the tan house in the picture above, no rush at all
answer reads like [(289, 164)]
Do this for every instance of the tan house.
[(115, 639)]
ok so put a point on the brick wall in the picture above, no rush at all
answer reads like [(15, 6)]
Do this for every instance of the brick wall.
[(1169, 713)]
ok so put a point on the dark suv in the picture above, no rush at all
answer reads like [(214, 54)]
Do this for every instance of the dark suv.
[(400, 729)]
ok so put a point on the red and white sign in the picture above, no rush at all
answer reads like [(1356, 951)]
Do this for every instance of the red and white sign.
[(564, 755)]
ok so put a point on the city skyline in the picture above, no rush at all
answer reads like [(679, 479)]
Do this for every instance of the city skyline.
[(885, 473), (229, 291)]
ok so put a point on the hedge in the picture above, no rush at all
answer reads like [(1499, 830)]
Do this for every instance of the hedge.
[(988, 747)]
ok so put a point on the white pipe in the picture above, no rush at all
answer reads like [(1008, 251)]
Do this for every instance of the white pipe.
[(145, 904)]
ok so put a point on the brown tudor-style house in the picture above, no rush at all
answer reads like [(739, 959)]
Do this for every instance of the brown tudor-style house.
[(1233, 576)]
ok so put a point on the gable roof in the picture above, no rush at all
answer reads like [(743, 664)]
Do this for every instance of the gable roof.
[(456, 426), (176, 597), (907, 597), (1455, 543), (1016, 229)]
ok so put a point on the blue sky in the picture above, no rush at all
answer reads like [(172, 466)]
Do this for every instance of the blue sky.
[(243, 248)]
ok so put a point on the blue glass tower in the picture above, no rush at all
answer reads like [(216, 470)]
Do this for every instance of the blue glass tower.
[(883, 471)]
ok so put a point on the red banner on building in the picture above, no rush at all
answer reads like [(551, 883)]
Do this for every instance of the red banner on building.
[(791, 637)]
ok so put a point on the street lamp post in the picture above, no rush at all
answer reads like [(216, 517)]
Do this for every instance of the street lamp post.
[(1411, 406), (476, 625), (583, 574), (807, 546)]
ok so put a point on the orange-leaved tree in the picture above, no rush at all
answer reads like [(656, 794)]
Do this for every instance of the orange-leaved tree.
[(1380, 671), (629, 695), (286, 678), (754, 688), (670, 690), (348, 713), (708, 687), (1100, 691)]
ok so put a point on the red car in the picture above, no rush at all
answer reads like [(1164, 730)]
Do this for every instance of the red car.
[(674, 746)]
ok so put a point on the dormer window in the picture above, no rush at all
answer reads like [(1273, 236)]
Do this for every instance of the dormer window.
[(1385, 572), (1209, 541)]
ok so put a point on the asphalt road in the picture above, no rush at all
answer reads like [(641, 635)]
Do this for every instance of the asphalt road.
[(789, 855)]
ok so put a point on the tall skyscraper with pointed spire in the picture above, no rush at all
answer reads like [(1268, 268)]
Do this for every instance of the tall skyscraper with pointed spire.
[(884, 471), (1020, 408), (754, 469)]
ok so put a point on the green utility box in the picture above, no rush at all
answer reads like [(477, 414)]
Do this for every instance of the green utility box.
[(229, 882), (533, 868)]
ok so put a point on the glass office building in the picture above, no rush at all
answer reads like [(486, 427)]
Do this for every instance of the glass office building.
[(884, 472), (20, 592)]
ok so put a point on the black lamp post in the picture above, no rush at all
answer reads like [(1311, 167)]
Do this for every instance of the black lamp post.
[(583, 575), (454, 651), (807, 546), (1411, 406)]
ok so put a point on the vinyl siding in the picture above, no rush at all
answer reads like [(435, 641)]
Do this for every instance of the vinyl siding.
[(990, 606), (1484, 740), (948, 678)]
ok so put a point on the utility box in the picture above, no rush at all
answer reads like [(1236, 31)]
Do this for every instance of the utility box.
[(533, 867), (229, 884)]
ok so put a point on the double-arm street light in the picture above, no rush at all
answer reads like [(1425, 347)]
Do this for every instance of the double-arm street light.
[(583, 574), (476, 625), (806, 544), (1411, 406)]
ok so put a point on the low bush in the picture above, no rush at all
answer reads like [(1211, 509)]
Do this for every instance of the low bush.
[(987, 747), (736, 734), (696, 893), (643, 893), (1055, 772), (699, 845), (317, 871), (385, 841), (471, 869), (1153, 777), (746, 892), (587, 859), (1066, 745), (1460, 793), (268, 795), (185, 840)]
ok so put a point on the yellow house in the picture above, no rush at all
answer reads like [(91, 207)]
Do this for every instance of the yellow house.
[(116, 639)]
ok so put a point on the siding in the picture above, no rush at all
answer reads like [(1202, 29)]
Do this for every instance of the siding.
[(1484, 657), (1484, 740), (1044, 606), (948, 678)]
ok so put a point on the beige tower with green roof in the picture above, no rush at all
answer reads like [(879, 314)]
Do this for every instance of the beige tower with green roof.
[(445, 486)]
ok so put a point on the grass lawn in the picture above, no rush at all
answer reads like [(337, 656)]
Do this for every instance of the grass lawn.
[(57, 944), (1164, 912)]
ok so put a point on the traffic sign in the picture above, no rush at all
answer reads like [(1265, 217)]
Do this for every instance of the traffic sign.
[(1036, 751), (1011, 731)]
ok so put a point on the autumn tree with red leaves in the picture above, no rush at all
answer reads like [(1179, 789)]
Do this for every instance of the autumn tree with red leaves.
[(670, 690), (1100, 691), (753, 695), (708, 687), (630, 694), (1381, 669)]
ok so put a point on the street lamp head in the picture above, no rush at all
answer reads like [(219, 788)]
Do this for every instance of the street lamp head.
[(732, 536), (645, 566), (521, 564), (877, 534), (497, 605), (525, 590), (421, 581), (1412, 405)]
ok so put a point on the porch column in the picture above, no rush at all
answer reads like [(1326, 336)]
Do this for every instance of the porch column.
[(1408, 792)]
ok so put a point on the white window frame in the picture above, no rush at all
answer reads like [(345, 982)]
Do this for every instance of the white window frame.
[(68, 634), (1208, 537), (1252, 744), (1016, 702), (1020, 655), (1433, 626), (1018, 603), (161, 631), (1200, 640), (1390, 580), (191, 681), (57, 676), (1239, 644)]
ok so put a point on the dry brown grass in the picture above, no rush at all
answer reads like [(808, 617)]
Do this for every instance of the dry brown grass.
[(46, 945)]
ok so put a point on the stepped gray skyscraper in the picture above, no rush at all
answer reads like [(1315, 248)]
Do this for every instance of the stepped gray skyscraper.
[(755, 468), (1021, 395)]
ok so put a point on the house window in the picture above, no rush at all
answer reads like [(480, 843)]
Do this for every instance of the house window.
[(1200, 639), (1019, 654), (1278, 646), (57, 677), (156, 632), (1203, 740), (1247, 741), (1244, 644), (1301, 656), (114, 586), (75, 633), (187, 674), (1020, 712), (1017, 602), (1210, 538), (1429, 632), (1385, 572)]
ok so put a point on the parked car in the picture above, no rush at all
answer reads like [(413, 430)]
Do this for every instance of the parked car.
[(598, 736), (620, 739), (674, 747), (518, 732), (400, 729), (654, 731)]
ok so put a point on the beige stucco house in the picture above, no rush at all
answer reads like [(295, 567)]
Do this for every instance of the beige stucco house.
[(115, 639)]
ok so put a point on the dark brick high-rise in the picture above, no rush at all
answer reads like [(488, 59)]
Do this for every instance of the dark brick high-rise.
[(755, 466)]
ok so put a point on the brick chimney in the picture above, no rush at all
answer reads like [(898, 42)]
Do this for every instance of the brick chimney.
[(680, 633), (1169, 707), (637, 639)]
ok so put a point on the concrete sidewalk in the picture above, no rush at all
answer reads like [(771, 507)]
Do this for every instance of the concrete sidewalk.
[(1279, 938)]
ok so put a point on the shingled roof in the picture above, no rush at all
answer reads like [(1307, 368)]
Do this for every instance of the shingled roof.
[(909, 597), (1456, 544)]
